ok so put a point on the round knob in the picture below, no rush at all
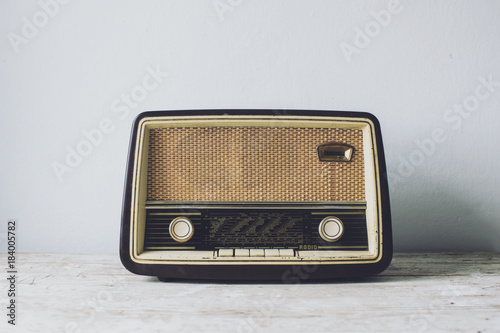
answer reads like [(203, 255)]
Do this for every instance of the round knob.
[(181, 229), (331, 229)]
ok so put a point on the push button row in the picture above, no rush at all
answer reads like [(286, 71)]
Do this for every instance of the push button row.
[(256, 253)]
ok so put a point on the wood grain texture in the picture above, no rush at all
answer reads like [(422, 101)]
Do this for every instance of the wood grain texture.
[(419, 292)]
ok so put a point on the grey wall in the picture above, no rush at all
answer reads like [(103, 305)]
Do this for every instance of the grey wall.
[(419, 66)]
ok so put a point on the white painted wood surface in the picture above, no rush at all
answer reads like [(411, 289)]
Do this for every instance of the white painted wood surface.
[(94, 293)]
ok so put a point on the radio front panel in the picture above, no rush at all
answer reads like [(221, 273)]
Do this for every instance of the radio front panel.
[(254, 189)]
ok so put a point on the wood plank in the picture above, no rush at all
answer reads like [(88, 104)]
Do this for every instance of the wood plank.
[(419, 292)]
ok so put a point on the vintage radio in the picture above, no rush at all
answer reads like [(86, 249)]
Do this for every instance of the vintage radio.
[(256, 194)]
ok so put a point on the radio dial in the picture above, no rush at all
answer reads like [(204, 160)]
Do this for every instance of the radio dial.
[(181, 229), (331, 229)]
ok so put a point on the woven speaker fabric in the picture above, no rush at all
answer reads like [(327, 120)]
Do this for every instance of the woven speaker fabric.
[(256, 164)]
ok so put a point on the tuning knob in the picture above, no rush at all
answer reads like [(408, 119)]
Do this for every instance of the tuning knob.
[(331, 229), (181, 229)]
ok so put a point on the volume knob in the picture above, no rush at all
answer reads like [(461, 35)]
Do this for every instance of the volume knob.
[(331, 229), (181, 229)]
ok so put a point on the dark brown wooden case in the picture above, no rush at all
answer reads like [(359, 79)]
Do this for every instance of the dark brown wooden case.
[(288, 273)]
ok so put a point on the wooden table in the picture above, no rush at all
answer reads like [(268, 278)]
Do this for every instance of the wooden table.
[(420, 292)]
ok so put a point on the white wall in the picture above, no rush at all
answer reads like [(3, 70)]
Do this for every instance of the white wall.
[(71, 73)]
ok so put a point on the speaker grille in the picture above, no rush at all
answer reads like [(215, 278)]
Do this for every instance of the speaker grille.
[(252, 164)]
